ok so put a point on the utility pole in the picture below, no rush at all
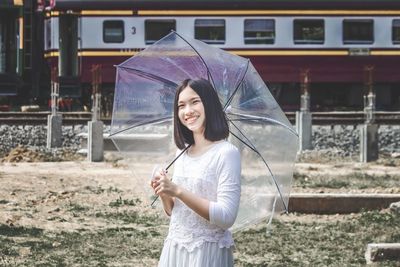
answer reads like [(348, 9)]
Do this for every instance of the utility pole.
[(95, 135), (303, 117), (54, 120), (369, 150)]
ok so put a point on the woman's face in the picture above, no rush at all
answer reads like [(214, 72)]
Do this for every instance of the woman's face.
[(191, 110)]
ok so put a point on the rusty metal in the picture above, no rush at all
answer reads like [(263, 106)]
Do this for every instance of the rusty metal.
[(369, 96), (96, 91), (305, 90), (55, 87)]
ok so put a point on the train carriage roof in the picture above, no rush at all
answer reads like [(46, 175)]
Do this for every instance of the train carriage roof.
[(223, 4)]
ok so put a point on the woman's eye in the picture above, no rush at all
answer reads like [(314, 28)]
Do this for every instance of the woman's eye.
[(180, 106)]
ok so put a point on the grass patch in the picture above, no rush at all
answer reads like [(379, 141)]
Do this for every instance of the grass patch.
[(355, 180), (302, 241), (95, 190), (124, 202), (3, 201), (6, 230), (129, 217), (107, 247), (74, 207), (335, 243)]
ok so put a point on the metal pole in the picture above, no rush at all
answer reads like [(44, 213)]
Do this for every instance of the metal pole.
[(96, 92), (54, 92), (305, 86), (369, 97)]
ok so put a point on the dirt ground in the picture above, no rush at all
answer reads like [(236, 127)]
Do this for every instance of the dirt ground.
[(43, 205), (42, 194)]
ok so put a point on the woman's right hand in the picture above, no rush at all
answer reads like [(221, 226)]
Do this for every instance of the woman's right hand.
[(163, 186), (155, 180)]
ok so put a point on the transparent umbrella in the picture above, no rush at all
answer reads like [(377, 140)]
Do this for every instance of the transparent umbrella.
[(143, 113)]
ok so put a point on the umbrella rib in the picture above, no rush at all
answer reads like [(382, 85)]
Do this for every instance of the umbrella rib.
[(242, 141), (155, 77), (140, 124), (266, 164), (237, 87), (258, 118), (202, 59)]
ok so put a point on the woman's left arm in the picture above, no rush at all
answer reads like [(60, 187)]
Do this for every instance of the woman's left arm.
[(223, 212)]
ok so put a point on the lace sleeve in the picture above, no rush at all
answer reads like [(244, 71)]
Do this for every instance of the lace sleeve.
[(223, 212)]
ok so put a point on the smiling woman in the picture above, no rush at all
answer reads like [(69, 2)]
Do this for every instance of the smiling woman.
[(191, 110), (203, 199), (215, 124)]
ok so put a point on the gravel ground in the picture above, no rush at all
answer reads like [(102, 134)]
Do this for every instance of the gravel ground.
[(336, 143)]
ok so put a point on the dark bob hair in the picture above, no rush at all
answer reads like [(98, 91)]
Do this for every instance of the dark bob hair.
[(216, 127)]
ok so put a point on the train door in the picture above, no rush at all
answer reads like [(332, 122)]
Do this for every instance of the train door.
[(8, 43), (68, 64), (9, 52)]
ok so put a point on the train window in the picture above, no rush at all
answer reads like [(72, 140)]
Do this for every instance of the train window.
[(157, 29), (308, 31), (259, 31), (396, 31), (210, 31), (358, 31), (113, 31)]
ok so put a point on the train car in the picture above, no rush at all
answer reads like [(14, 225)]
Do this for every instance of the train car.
[(342, 46), (21, 53), (10, 50)]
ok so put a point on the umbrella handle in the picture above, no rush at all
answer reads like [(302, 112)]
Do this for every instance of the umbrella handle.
[(155, 169), (155, 199), (166, 169), (152, 203)]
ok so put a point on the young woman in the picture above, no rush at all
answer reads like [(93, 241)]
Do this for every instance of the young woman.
[(204, 194)]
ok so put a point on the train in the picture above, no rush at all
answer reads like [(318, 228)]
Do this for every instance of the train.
[(337, 50)]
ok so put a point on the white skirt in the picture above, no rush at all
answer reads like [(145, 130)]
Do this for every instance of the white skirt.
[(209, 254)]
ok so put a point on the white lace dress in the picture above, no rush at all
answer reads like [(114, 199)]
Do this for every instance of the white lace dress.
[(192, 240)]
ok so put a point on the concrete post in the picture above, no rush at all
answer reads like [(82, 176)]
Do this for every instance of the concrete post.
[(369, 149), (54, 121), (95, 136), (95, 141), (304, 129), (54, 131), (369, 146), (303, 118)]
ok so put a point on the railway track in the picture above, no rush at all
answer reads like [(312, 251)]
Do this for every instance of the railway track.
[(40, 118), (318, 118)]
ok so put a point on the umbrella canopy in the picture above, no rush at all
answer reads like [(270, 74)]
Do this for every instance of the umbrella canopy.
[(143, 114)]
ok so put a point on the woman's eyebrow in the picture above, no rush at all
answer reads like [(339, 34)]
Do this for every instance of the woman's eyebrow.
[(191, 99)]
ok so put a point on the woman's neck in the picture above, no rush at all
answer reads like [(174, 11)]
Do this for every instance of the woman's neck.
[(201, 144)]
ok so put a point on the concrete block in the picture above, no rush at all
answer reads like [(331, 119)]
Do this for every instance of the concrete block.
[(339, 203), (54, 131), (95, 141), (304, 129), (140, 143), (382, 252), (395, 207), (369, 150)]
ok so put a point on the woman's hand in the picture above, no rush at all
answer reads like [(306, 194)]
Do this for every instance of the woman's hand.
[(168, 191), (163, 186)]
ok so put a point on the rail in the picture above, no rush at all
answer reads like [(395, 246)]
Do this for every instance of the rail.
[(318, 118)]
